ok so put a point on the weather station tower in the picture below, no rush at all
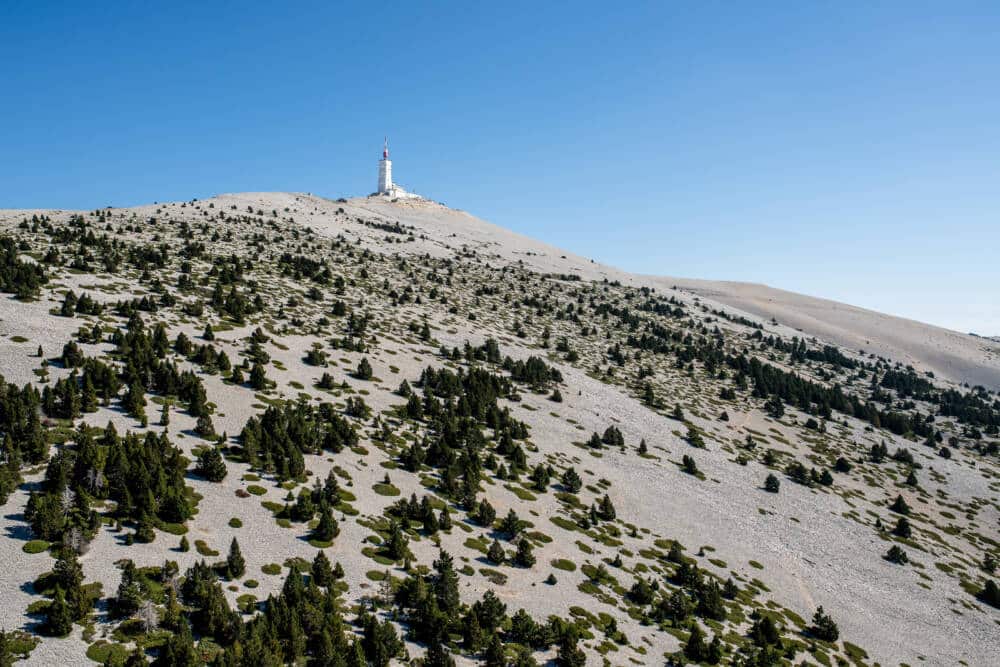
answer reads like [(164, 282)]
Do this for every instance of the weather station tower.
[(385, 170)]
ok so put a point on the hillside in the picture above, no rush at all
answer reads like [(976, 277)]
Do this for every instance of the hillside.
[(950, 355), (430, 438)]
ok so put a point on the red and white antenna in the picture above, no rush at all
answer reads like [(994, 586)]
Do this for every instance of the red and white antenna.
[(385, 148)]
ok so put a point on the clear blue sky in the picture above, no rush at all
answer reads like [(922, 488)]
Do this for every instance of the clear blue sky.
[(834, 149)]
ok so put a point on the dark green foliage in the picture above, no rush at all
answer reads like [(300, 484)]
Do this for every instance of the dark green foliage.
[(6, 654), (689, 465), (277, 440), (772, 484), (613, 437), (533, 371), (902, 528), (23, 438), (511, 525), (897, 555), (606, 510), (397, 546), (211, 466), (496, 553), (990, 594), (485, 514), (126, 602), (694, 437), (525, 556), (412, 510), (16, 276), (540, 476), (315, 357), (989, 563), (641, 593), (764, 632), (714, 654), (569, 654), (146, 477), (258, 378), (327, 528), (235, 564), (58, 618), (899, 506), (322, 573), (823, 627), (143, 475), (364, 369), (571, 480), (695, 648)]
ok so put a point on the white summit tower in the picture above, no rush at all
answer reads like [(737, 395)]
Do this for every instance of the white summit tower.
[(386, 188), (385, 171)]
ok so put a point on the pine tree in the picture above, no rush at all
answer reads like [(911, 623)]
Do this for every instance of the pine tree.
[(6, 655), (494, 656), (902, 528), (823, 627), (606, 510), (204, 426), (689, 465), (444, 519), (129, 595), (524, 556), (511, 525), (772, 483), (179, 650), (58, 617), (899, 506), (235, 563), (134, 401), (211, 466), (327, 528), (695, 438), (322, 573), (258, 378), (397, 544), (364, 370), (571, 480), (472, 632), (990, 594), (714, 655), (496, 553), (570, 655), (897, 555), (695, 648)]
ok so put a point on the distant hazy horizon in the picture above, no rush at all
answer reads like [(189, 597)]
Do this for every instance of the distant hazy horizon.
[(848, 153)]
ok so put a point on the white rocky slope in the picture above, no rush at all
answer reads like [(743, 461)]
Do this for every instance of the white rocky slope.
[(808, 550), (951, 355)]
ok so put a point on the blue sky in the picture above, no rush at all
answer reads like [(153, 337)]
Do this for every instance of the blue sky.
[(836, 149)]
